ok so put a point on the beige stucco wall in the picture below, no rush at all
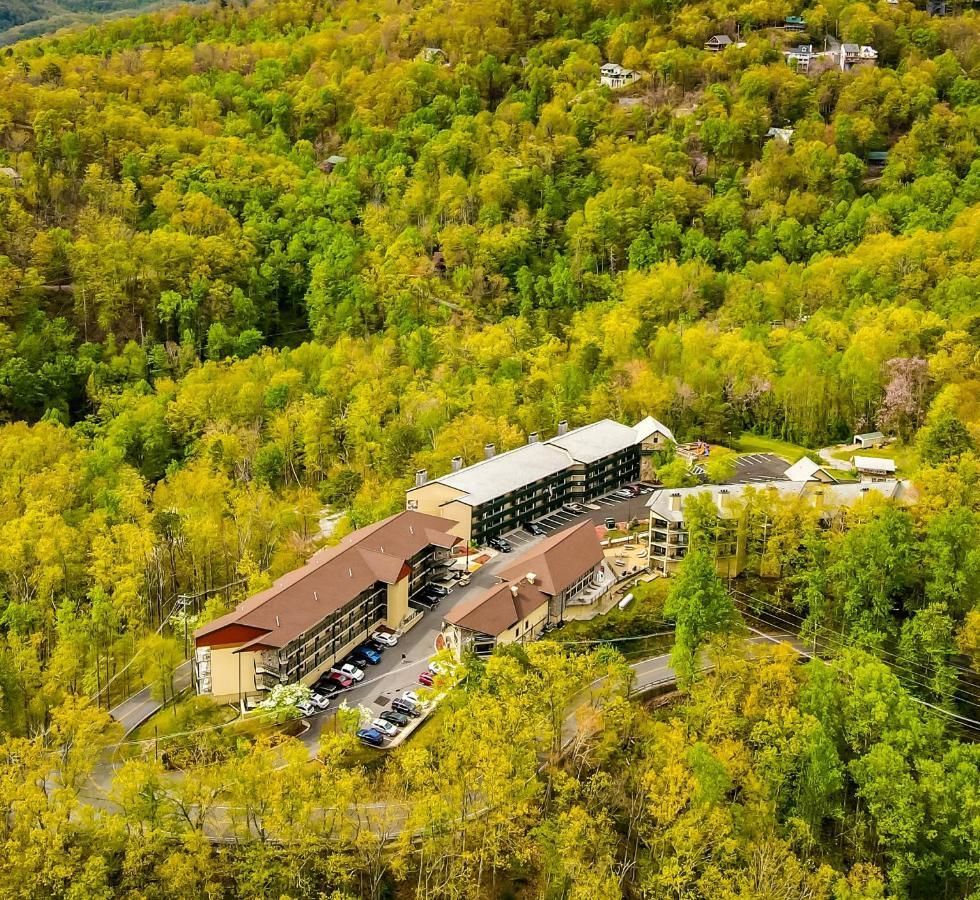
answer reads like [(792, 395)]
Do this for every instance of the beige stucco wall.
[(519, 632), (224, 671), (435, 499), (397, 603)]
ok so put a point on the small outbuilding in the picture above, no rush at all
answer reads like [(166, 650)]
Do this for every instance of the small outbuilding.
[(718, 42)]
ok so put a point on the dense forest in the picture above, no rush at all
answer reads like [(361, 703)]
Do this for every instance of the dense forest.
[(263, 260)]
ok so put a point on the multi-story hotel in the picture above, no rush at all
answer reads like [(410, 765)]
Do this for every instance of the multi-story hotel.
[(313, 616), (669, 534), (507, 490)]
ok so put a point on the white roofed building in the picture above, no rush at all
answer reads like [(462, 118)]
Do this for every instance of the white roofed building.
[(507, 490), (874, 468)]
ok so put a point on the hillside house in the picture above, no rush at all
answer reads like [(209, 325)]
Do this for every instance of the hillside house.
[(869, 439), (615, 76), (718, 42), (784, 135), (794, 23), (852, 55)]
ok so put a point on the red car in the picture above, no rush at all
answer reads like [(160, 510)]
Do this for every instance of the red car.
[(341, 680), (425, 678)]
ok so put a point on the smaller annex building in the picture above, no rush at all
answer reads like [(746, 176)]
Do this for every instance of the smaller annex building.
[(534, 591), (313, 616)]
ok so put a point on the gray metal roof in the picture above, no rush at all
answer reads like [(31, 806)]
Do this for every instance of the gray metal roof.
[(592, 442), (506, 472)]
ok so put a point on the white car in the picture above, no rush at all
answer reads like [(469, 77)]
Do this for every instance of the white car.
[(385, 727), (438, 668), (412, 697), (307, 708), (351, 671), (622, 494), (320, 701), (386, 638)]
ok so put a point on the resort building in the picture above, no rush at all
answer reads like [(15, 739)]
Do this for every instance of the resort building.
[(507, 490), (313, 616), (535, 590), (669, 535)]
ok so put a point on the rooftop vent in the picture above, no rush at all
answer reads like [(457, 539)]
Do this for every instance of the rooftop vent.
[(531, 578), (490, 450), (277, 621), (421, 477), (513, 590), (562, 427), (457, 463), (316, 596)]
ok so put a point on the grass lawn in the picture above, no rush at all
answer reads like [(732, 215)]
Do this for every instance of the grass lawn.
[(754, 443)]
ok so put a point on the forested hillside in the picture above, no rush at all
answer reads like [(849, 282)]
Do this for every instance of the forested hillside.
[(262, 260), (20, 19)]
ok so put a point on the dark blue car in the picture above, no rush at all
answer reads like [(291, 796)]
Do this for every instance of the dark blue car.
[(369, 653), (371, 736)]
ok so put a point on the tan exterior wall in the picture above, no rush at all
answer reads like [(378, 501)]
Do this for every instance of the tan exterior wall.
[(435, 499), (397, 603), (527, 629), (224, 671)]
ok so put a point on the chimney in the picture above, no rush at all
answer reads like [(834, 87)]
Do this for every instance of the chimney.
[(532, 438), (722, 499), (490, 450), (421, 477), (457, 463), (514, 589), (675, 502), (562, 427), (531, 578)]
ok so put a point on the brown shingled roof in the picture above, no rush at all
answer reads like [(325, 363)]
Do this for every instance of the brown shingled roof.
[(499, 608), (559, 560), (332, 577)]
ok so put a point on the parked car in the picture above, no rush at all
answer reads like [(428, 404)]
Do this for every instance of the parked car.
[(622, 494), (342, 681), (534, 529), (358, 659), (425, 601), (371, 654), (411, 697), (351, 671), (319, 700), (610, 522), (395, 717), (573, 507), (405, 707), (500, 544), (371, 736), (438, 590), (307, 708), (438, 668), (425, 678), (387, 638), (385, 727)]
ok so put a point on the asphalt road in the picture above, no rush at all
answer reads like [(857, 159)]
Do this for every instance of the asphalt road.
[(136, 709)]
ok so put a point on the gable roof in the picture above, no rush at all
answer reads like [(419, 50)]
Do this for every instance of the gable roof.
[(332, 577), (499, 608), (719, 39), (559, 560), (805, 469), (650, 426)]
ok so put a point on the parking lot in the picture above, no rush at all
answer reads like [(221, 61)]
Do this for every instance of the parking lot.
[(758, 467), (395, 674), (617, 508)]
